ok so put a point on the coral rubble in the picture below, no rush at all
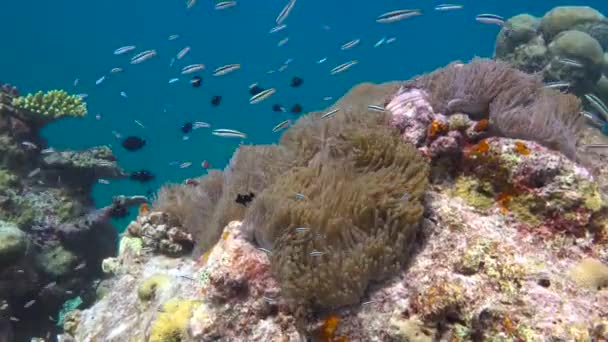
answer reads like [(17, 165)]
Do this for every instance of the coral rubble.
[(507, 242)]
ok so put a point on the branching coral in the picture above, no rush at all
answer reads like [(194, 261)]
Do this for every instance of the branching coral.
[(52, 104)]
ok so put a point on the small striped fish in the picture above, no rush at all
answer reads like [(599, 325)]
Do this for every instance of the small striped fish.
[(229, 133), (350, 44), (124, 49), (143, 56), (281, 125), (277, 28), (393, 16), (490, 19), (285, 12), (225, 4), (261, 96), (330, 113), (183, 52), (375, 108), (343, 67), (598, 104), (448, 7), (223, 70), (188, 69)]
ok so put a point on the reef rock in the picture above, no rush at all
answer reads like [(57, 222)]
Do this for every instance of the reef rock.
[(83, 168), (566, 17), (512, 245)]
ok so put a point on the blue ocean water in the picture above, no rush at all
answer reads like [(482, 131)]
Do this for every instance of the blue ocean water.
[(47, 45)]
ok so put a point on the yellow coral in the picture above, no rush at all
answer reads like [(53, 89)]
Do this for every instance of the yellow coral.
[(172, 323), (147, 289), (590, 273)]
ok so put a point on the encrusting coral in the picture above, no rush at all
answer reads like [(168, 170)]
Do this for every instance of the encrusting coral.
[(52, 104)]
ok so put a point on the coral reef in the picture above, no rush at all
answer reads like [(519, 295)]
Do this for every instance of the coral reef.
[(52, 240), (566, 47), (508, 239)]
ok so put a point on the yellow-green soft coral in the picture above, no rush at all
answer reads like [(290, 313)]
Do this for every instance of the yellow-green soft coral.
[(53, 104), (172, 323), (147, 289), (131, 245)]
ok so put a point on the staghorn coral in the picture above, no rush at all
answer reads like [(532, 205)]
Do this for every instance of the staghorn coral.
[(52, 104), (517, 104), (360, 213)]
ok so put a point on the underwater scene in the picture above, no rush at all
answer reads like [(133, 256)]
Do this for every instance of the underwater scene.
[(304, 171)]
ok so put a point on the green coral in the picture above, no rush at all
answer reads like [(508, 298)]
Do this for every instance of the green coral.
[(477, 193), (7, 180), (130, 243), (52, 104), (67, 307), (172, 323), (147, 289), (13, 243), (56, 261)]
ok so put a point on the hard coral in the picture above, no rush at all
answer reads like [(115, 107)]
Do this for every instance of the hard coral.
[(360, 214), (53, 104)]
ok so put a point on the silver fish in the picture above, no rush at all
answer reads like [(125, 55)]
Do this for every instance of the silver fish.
[(322, 60), (281, 125), (115, 70), (173, 80), (225, 4), (376, 108), (124, 49), (343, 67), (301, 229), (557, 85), (277, 28), (285, 12), (330, 113), (192, 68), (33, 172), (182, 53), (490, 19), (30, 303), (173, 37), (380, 42), (350, 44), (100, 80), (261, 96), (223, 70), (316, 253), (283, 41), (393, 16), (103, 181), (185, 165), (448, 7), (143, 56), (139, 124), (300, 196), (598, 104), (230, 133), (200, 124), (30, 145), (570, 62), (265, 250)]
